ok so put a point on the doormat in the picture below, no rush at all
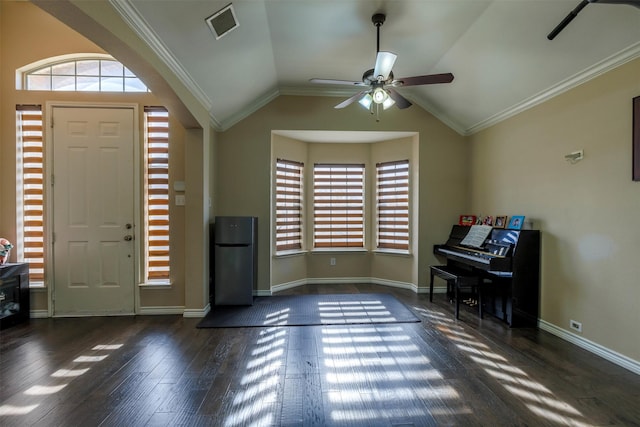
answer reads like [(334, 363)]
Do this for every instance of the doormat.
[(307, 310)]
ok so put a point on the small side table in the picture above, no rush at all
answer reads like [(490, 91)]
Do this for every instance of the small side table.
[(14, 294)]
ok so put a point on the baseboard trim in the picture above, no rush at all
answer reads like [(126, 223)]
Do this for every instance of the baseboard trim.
[(395, 284), (197, 312), (39, 314), (350, 280), (597, 349), (338, 280), (288, 285)]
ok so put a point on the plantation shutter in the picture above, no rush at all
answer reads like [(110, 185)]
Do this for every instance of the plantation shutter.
[(157, 193), (288, 205), (31, 182), (392, 199), (338, 198)]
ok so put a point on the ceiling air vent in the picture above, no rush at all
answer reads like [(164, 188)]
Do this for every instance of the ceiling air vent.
[(223, 21)]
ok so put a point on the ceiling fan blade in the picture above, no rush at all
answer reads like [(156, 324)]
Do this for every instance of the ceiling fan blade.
[(401, 101), (336, 82), (384, 64), (567, 19), (635, 3), (351, 100), (429, 79)]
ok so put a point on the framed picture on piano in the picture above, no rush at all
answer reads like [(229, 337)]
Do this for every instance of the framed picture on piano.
[(467, 220), (515, 223), (500, 222)]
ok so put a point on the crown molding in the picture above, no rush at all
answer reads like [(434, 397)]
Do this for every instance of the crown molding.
[(249, 110), (626, 55), (136, 22), (438, 114)]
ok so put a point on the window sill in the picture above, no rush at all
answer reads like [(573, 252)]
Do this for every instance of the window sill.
[(393, 253), (156, 285), (287, 254), (339, 250)]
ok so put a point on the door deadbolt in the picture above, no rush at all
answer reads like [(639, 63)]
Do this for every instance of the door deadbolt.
[(128, 226)]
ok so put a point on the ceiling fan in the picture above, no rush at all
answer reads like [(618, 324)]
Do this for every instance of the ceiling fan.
[(581, 6), (379, 81)]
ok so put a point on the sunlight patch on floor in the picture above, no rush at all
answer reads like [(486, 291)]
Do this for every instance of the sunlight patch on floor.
[(252, 398), (377, 374), (538, 398), (43, 390), (16, 409), (21, 406)]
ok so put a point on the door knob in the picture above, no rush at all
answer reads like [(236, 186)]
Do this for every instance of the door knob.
[(128, 237)]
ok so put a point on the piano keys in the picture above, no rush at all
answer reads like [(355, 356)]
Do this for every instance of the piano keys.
[(509, 264)]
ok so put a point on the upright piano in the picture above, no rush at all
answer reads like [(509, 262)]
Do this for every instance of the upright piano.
[(508, 262)]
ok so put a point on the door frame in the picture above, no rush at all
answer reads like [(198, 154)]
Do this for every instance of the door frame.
[(48, 194)]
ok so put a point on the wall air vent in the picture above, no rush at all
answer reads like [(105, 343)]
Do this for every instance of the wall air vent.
[(223, 21)]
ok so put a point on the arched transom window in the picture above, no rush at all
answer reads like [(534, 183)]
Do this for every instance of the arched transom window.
[(81, 74)]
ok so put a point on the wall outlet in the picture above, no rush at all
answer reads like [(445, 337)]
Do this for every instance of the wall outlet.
[(576, 326), (332, 261)]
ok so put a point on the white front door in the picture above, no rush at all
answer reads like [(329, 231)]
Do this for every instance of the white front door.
[(93, 211)]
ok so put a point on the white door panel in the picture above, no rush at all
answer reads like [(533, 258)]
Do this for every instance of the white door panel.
[(93, 211)]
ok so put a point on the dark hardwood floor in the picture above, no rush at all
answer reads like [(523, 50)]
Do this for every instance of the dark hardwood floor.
[(163, 371)]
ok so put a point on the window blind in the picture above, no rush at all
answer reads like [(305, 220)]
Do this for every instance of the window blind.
[(338, 199), (392, 200), (30, 177), (157, 193), (289, 204)]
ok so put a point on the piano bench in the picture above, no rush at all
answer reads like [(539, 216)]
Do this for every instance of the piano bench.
[(455, 277)]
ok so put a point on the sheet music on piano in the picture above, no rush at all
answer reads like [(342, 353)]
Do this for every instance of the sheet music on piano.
[(477, 236)]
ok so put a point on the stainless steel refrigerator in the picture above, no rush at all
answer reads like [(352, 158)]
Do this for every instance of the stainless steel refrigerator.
[(235, 259)]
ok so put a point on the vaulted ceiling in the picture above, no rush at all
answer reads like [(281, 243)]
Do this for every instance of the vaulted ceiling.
[(497, 50)]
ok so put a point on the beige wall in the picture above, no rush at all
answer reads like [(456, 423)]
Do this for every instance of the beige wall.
[(24, 41), (588, 211), (244, 180)]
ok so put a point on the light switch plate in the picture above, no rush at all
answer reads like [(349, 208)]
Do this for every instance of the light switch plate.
[(180, 200)]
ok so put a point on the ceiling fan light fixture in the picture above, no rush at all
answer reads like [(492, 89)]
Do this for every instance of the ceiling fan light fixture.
[(379, 95), (366, 101), (389, 102)]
